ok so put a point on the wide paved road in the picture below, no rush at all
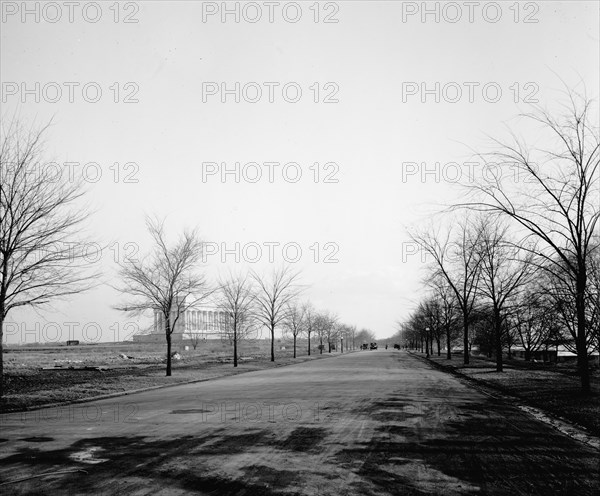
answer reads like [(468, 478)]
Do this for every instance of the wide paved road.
[(367, 423)]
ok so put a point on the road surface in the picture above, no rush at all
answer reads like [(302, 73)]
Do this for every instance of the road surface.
[(366, 423)]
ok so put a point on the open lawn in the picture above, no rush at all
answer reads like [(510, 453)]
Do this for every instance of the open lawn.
[(41, 375), (551, 388)]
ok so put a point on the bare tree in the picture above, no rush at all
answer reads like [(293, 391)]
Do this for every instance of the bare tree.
[(165, 280), (403, 337), (428, 319), (43, 255), (321, 323), (593, 305), (420, 322), (552, 194), (408, 333), (436, 323), (456, 261), (352, 336), (272, 298), (295, 321), (481, 327), (533, 320), (449, 309), (505, 270), (236, 300), (309, 320), (195, 338), (559, 288), (331, 329)]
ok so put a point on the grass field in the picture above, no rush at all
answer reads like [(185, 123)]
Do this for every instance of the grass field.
[(29, 383), (552, 388)]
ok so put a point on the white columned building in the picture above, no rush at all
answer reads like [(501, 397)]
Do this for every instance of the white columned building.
[(204, 322)]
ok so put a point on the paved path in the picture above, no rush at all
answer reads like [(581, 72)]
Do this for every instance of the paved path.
[(367, 423)]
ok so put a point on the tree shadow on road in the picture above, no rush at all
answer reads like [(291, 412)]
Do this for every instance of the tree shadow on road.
[(128, 464), (460, 447)]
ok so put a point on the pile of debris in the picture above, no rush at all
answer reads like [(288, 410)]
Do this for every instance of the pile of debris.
[(63, 366)]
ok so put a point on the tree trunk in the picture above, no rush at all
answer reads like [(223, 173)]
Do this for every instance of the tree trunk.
[(439, 346), (465, 337), (294, 346), (448, 351), (426, 346), (329, 346), (498, 340), (309, 344), (582, 357), (235, 341), (168, 331), (528, 354), (1, 352), (272, 343)]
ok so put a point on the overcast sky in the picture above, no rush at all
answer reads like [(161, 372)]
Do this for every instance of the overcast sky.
[(349, 102)]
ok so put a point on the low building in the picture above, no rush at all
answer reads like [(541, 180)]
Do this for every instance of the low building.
[(556, 354)]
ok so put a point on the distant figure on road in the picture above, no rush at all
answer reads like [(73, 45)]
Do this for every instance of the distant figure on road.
[(386, 346)]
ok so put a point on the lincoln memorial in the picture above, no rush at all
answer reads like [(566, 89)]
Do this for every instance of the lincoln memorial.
[(200, 322)]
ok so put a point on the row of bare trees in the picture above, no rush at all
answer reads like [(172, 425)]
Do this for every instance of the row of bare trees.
[(480, 265), (303, 321), (253, 304), (43, 257), (167, 280), (534, 317), (522, 259)]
